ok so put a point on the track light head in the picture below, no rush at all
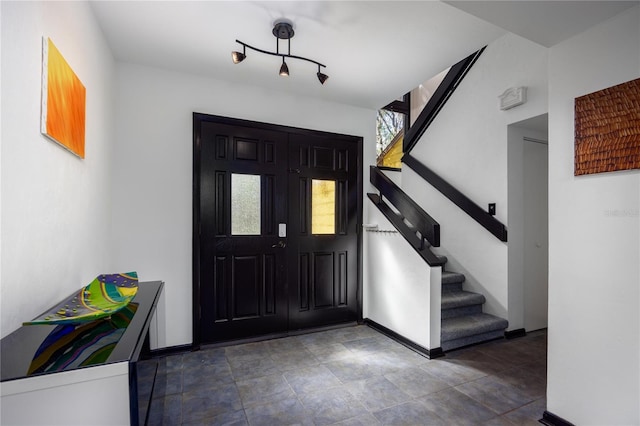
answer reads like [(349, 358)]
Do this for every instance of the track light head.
[(322, 77), (237, 57), (284, 69)]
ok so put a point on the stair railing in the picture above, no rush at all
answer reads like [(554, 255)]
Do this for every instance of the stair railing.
[(442, 93), (476, 212), (421, 226)]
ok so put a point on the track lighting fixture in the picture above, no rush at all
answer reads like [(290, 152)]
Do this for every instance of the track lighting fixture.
[(238, 57), (282, 31), (322, 77), (284, 69)]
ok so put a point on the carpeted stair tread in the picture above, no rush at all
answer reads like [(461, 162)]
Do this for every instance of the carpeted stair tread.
[(458, 299), (449, 277), (469, 325), (462, 321)]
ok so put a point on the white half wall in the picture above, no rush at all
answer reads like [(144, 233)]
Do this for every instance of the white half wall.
[(467, 145), (152, 170), (55, 206), (594, 242), (403, 294)]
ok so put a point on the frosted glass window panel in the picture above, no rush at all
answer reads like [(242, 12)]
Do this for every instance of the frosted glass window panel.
[(323, 206), (245, 204)]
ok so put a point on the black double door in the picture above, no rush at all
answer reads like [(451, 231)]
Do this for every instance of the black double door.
[(276, 214)]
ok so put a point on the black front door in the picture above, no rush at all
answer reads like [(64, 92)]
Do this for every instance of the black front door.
[(275, 228), (323, 243)]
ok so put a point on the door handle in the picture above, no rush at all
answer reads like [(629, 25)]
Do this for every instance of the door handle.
[(281, 244)]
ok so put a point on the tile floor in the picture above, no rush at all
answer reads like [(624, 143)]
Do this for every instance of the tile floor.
[(352, 376)]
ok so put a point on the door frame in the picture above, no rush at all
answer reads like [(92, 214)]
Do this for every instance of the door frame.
[(201, 117)]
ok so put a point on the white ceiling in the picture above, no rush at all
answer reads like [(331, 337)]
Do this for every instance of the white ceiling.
[(545, 22), (374, 50)]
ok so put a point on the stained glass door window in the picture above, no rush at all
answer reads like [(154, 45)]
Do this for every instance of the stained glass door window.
[(323, 206), (245, 204)]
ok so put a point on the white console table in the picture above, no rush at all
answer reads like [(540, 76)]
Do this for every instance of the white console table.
[(105, 392)]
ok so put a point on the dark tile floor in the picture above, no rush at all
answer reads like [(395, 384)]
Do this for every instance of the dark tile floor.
[(352, 376)]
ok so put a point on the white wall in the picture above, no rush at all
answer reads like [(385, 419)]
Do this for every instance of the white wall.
[(55, 207), (403, 295), (467, 146), (152, 170), (1, 334), (594, 250)]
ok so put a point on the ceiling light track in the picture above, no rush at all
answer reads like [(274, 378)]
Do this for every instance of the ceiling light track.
[(282, 31), (284, 55)]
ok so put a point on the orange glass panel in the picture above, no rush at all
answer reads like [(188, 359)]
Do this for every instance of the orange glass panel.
[(323, 206)]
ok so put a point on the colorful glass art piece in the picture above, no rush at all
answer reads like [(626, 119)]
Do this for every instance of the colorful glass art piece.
[(104, 296), (72, 346)]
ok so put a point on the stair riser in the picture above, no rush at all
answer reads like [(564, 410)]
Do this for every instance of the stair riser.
[(461, 311), (470, 340), (451, 279), (451, 287), (454, 329)]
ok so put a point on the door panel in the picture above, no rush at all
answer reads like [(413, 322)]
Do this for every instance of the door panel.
[(242, 287), (325, 263), (247, 280)]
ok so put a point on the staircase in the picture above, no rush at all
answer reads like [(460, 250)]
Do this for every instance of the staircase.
[(462, 320)]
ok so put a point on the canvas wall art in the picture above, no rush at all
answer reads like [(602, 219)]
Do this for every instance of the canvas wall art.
[(607, 129), (63, 101)]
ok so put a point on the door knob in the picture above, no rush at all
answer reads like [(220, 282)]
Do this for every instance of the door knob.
[(281, 244)]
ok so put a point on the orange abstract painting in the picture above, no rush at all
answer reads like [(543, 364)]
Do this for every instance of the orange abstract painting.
[(63, 101)]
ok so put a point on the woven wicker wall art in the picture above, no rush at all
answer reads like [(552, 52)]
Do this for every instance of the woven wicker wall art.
[(607, 129)]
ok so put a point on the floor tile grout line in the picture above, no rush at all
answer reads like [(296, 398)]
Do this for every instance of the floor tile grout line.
[(501, 375)]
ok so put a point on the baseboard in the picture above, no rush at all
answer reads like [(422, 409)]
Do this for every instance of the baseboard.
[(551, 419), (512, 334), (429, 353), (170, 350)]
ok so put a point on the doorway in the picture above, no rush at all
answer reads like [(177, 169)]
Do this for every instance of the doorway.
[(276, 215), (536, 232), (528, 249)]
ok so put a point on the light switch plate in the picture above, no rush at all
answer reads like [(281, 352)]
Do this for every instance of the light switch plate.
[(282, 230)]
